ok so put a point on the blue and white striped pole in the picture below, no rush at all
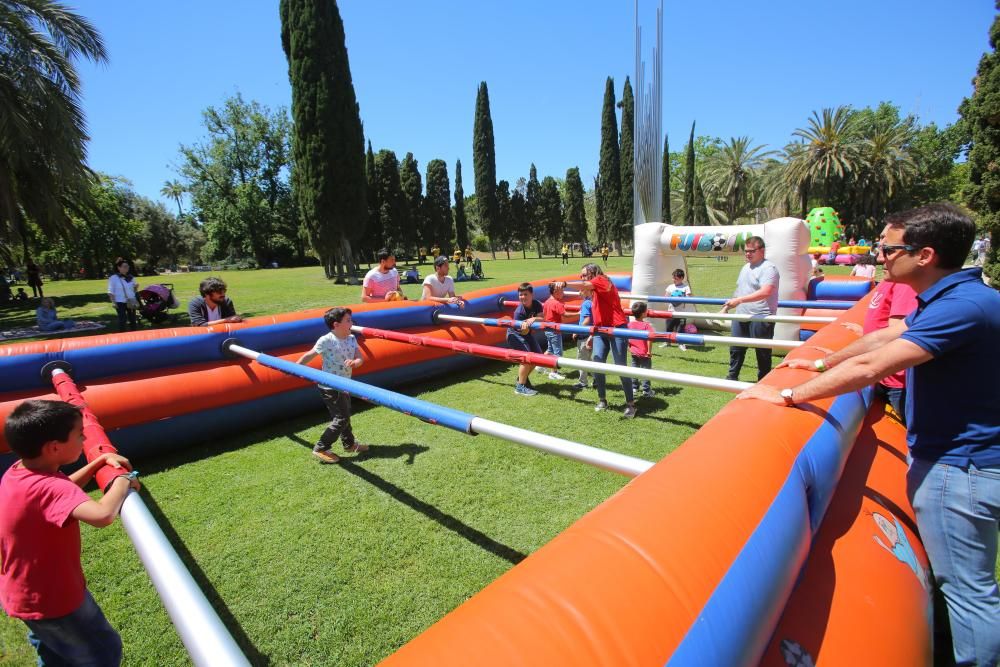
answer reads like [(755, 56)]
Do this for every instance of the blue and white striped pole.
[(621, 332), (450, 418), (709, 301)]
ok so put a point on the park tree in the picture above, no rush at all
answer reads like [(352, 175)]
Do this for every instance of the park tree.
[(731, 175), (689, 183), (520, 229), (503, 231), (392, 204), (461, 224), (610, 167), (982, 114), (238, 178), (550, 205), (42, 128), (174, 189), (575, 217), (414, 227), (485, 165), (532, 207), (437, 206), (375, 236), (626, 205), (665, 207), (329, 143), (600, 222)]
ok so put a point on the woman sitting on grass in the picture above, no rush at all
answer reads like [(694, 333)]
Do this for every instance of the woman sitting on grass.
[(47, 318)]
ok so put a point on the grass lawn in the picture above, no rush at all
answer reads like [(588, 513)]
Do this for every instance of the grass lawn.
[(324, 565)]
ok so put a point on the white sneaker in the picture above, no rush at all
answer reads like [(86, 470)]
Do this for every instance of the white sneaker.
[(682, 348), (664, 345), (555, 376)]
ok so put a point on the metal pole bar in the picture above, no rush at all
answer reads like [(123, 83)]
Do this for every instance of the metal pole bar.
[(638, 334), (551, 361), (454, 419), (728, 317), (703, 300), (203, 633)]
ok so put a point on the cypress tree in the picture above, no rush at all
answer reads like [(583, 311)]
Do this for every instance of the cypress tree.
[(689, 183), (485, 165), (626, 206), (665, 215), (392, 206), (461, 226), (375, 235), (532, 210), (413, 218), (982, 114), (600, 224), (575, 217), (328, 143), (610, 170), (437, 206), (502, 234), (520, 229), (551, 209)]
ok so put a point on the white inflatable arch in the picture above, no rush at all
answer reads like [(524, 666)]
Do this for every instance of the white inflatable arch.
[(661, 248)]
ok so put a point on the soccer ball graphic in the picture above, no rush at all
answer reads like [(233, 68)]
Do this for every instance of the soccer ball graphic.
[(719, 242)]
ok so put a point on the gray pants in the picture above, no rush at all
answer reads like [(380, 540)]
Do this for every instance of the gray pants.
[(339, 405), (641, 362), (584, 353)]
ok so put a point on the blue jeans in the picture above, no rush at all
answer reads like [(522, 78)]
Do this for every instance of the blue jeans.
[(641, 362), (555, 341), (83, 638), (958, 513), (619, 350)]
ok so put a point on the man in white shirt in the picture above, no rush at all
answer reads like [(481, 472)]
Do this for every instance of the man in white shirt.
[(756, 294), (439, 286), (382, 282)]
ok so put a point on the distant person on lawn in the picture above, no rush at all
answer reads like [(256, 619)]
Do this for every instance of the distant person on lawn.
[(47, 318), (213, 306)]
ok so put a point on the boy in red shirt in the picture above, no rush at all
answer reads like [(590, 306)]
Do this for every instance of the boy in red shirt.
[(41, 579), (641, 357), (554, 310)]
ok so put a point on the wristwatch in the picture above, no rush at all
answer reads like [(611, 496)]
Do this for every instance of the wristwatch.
[(788, 395)]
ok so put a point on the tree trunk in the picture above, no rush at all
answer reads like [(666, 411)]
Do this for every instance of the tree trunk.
[(538, 244), (508, 252), (493, 250)]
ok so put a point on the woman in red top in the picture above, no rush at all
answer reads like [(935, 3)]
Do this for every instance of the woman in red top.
[(607, 312)]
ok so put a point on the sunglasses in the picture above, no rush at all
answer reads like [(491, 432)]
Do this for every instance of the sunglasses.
[(887, 249)]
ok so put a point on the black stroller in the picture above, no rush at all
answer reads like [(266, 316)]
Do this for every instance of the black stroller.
[(155, 301)]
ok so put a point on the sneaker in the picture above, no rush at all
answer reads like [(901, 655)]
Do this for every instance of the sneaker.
[(601, 406), (357, 447), (629, 411), (682, 348), (556, 376), (579, 385), (649, 393), (528, 384), (666, 345), (326, 456), (524, 391)]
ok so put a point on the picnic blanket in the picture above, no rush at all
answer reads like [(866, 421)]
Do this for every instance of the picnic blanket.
[(31, 332)]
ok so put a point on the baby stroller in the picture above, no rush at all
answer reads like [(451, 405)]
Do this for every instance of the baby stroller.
[(155, 301)]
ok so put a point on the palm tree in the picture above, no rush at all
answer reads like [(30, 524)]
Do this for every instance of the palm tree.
[(826, 155), (174, 190), (730, 175), (887, 166), (42, 131)]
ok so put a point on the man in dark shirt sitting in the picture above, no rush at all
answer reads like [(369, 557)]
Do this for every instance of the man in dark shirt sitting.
[(213, 306)]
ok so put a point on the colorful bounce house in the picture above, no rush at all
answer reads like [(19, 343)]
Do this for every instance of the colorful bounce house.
[(772, 536), (825, 228)]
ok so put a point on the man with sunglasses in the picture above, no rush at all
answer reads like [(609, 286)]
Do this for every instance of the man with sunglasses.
[(952, 411), (756, 294)]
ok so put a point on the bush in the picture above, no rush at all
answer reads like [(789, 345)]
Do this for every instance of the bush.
[(481, 243)]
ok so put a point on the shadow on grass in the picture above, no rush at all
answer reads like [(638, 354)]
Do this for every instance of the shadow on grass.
[(218, 604), (465, 531)]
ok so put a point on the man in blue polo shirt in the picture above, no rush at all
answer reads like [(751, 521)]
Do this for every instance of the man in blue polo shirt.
[(952, 409)]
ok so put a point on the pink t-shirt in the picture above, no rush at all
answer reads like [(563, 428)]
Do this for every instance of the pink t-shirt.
[(888, 301), (639, 347), (553, 310), (40, 572)]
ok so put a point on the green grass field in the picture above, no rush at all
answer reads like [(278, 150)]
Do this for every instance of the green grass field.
[(341, 565)]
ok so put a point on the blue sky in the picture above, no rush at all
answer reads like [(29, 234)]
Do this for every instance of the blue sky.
[(737, 67)]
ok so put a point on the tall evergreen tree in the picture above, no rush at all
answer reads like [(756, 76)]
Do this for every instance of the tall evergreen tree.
[(610, 168), (504, 229), (626, 206), (689, 183), (600, 222), (437, 206), (520, 229), (329, 144), (551, 210), (375, 238), (414, 228), (461, 225), (392, 205), (485, 165), (982, 114), (575, 217), (532, 203), (665, 216)]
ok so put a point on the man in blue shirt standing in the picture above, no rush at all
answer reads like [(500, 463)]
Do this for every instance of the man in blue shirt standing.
[(952, 409)]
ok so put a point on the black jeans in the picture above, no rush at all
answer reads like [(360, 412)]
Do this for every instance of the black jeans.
[(339, 405), (123, 312), (737, 354)]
